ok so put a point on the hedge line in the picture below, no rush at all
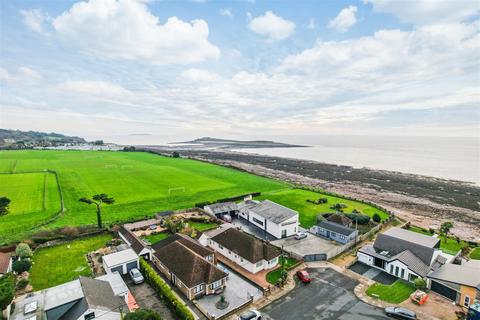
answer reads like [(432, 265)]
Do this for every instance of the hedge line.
[(165, 292), (229, 199)]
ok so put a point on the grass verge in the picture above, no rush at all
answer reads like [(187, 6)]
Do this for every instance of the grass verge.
[(274, 275), (397, 292)]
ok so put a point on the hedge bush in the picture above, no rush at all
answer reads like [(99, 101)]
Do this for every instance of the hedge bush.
[(20, 266), (165, 292), (360, 218), (7, 290)]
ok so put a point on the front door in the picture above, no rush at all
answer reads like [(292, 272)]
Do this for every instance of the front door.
[(174, 279), (284, 233)]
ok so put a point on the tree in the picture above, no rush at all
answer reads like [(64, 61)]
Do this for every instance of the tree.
[(420, 284), (20, 266), (143, 314), (175, 154), (174, 225), (7, 290), (23, 251), (98, 200), (445, 229), (376, 217), (4, 202)]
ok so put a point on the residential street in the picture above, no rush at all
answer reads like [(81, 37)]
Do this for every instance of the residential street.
[(329, 296)]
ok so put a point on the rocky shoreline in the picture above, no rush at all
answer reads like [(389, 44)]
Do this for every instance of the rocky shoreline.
[(425, 201)]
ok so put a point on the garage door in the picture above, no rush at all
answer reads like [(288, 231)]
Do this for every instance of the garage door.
[(444, 291), (131, 265), (315, 257), (118, 269)]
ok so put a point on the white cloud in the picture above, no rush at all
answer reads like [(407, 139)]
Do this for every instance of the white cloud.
[(22, 75), (95, 88), (421, 12), (34, 19), (312, 24), (273, 26), (126, 29), (28, 73), (199, 75), (226, 13), (344, 20)]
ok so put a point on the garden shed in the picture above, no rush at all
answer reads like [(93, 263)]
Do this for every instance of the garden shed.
[(121, 262)]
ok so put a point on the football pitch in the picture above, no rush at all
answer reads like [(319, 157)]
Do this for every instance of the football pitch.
[(141, 183)]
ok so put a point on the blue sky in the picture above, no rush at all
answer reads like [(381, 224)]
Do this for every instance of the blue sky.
[(240, 68)]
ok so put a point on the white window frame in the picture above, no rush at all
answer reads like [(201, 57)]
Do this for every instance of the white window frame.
[(466, 301), (198, 289), (216, 284)]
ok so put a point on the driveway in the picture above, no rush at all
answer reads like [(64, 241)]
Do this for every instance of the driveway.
[(148, 299), (329, 296), (306, 246), (373, 273)]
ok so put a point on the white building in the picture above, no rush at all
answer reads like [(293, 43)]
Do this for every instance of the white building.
[(273, 218), (121, 262), (405, 254), (245, 250)]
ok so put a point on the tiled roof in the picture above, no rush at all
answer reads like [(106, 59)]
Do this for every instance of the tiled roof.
[(187, 265), (335, 227), (186, 241), (397, 240), (413, 263), (340, 219), (468, 275), (4, 262), (135, 243), (246, 245)]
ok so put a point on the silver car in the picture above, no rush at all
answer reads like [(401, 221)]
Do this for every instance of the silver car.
[(251, 315), (400, 313), (136, 276), (300, 235)]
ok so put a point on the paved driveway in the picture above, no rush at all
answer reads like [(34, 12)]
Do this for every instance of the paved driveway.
[(329, 296), (306, 246), (147, 298), (373, 273)]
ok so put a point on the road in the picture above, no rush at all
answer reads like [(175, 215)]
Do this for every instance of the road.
[(329, 296)]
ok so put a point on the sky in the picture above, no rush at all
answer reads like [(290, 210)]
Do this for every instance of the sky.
[(101, 68)]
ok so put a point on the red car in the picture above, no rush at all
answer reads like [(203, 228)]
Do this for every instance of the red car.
[(303, 276)]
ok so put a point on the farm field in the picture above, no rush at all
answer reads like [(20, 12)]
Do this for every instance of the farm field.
[(141, 183), (35, 198), (296, 199), (59, 264)]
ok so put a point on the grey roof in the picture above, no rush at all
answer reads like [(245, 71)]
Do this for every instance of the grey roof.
[(120, 257), (468, 275), (397, 240), (335, 227), (222, 207), (438, 262), (412, 262), (61, 294), (99, 294), (273, 212)]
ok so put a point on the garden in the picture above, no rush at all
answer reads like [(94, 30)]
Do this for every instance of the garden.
[(396, 293), (285, 264)]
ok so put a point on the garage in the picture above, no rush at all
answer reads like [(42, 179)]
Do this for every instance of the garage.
[(444, 290), (121, 262)]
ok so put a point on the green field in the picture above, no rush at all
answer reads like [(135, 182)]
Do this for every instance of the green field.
[(59, 264), (35, 198), (397, 292), (296, 199), (141, 183), (475, 254)]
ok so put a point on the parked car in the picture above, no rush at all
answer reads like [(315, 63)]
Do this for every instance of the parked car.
[(400, 313), (136, 276), (300, 235), (304, 276), (227, 218), (251, 315)]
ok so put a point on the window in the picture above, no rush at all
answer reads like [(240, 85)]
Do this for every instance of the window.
[(216, 284), (198, 289), (467, 301), (396, 271), (257, 221), (221, 247), (333, 234), (259, 264), (413, 277), (209, 258), (241, 259), (403, 273), (229, 252), (391, 268)]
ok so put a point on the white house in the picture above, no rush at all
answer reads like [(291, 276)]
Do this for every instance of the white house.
[(273, 218), (245, 250), (405, 254), (121, 262)]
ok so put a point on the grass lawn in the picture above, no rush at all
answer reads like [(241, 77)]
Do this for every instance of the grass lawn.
[(450, 245), (296, 199), (154, 238), (34, 199), (273, 276), (475, 254), (59, 264), (141, 183), (201, 226), (395, 293)]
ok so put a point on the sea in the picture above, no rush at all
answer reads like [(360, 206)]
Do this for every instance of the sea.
[(456, 158)]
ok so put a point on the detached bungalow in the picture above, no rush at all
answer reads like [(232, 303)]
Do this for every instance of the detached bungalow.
[(189, 266), (405, 254), (140, 248), (334, 231), (245, 250), (273, 218), (459, 283)]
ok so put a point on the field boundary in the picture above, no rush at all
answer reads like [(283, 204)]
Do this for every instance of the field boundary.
[(48, 220)]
